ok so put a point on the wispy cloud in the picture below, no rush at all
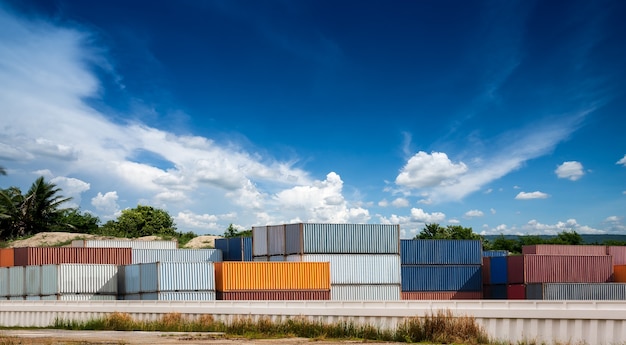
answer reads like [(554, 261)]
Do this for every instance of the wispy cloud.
[(622, 161), (474, 213), (570, 170), (531, 195)]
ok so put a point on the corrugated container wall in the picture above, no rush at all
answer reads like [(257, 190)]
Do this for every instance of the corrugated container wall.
[(442, 278), (301, 295), (515, 269), (441, 295), (259, 241), (79, 279), (179, 296), (276, 240), (313, 238), (618, 253), (133, 244), (492, 253), (619, 273), (498, 270), (141, 256), (235, 248), (563, 249), (365, 292), (245, 276), (177, 276), (495, 291), (71, 255), (486, 271), (16, 281), (33, 282), (79, 297), (357, 268), (4, 282), (441, 252), (128, 279), (6, 257), (567, 268), (516, 291), (576, 291)]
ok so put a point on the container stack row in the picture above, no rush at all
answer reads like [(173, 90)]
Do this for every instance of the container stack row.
[(441, 269), (364, 258)]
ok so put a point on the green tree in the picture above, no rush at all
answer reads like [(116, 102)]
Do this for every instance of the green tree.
[(432, 231), (72, 220), (503, 243), (141, 221), (231, 231), (568, 237)]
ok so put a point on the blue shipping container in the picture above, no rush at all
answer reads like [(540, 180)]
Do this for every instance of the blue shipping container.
[(441, 278), (498, 270), (492, 253), (441, 252), (235, 249)]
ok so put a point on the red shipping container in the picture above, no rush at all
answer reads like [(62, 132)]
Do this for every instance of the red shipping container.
[(618, 253), (27, 256), (6, 257), (516, 291), (441, 295), (563, 249), (486, 270), (267, 295), (568, 268), (515, 269)]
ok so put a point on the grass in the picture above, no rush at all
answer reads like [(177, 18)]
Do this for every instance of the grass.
[(441, 328)]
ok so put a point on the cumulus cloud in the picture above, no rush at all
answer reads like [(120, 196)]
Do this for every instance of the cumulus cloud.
[(71, 187), (428, 170), (531, 195), (622, 161), (474, 213), (570, 170), (414, 221), (534, 227), (383, 203), (203, 222), (400, 202), (106, 203)]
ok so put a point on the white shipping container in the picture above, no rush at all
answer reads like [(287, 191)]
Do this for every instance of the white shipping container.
[(365, 292), (141, 256), (33, 298), (179, 296), (134, 244), (33, 280), (79, 279), (259, 240), (358, 268), (16, 298), (4, 282), (177, 276), (16, 281)]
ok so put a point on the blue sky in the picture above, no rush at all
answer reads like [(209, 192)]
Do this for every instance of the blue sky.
[(507, 117)]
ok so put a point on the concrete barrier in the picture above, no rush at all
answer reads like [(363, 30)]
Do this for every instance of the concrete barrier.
[(591, 322)]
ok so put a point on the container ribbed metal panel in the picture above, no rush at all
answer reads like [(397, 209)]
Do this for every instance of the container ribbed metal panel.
[(128, 279), (4, 282), (365, 292), (313, 238), (492, 253), (441, 252), (441, 278), (16, 281), (79, 279), (576, 291), (176, 255), (357, 268), (32, 274), (618, 253), (177, 276), (261, 258), (276, 240), (79, 297), (498, 270), (563, 249), (179, 296), (235, 249), (134, 244), (568, 268), (131, 297), (259, 240), (277, 258)]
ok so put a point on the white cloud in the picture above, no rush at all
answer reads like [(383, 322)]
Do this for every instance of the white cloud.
[(534, 227), (72, 188), (106, 203), (570, 170), (418, 215), (474, 213), (493, 211), (454, 221), (488, 191), (424, 170), (613, 219), (414, 222), (203, 223), (400, 202), (383, 203), (531, 195), (622, 161)]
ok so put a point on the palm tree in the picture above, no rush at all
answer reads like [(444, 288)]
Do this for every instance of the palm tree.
[(3, 171)]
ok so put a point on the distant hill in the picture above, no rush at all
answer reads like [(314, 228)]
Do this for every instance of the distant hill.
[(589, 239)]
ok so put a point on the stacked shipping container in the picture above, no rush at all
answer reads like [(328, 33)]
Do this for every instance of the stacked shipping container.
[(441, 269), (235, 249)]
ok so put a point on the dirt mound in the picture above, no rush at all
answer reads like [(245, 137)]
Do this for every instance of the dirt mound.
[(202, 242)]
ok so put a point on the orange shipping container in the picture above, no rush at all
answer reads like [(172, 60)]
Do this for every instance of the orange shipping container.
[(619, 273), (72, 255), (6, 257), (250, 276)]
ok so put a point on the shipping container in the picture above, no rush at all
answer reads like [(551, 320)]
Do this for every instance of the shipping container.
[(259, 241), (563, 249), (515, 269), (27, 256), (313, 238), (576, 291), (177, 276), (441, 252), (498, 272), (133, 244), (486, 271), (298, 295), (618, 253), (276, 258), (246, 276), (79, 279), (357, 268), (130, 297), (128, 279), (495, 291), (32, 274), (141, 256), (619, 273), (441, 295), (275, 240), (179, 296), (492, 253), (235, 248), (16, 281), (6, 257), (261, 258), (363, 292), (4, 282), (442, 278), (78, 297), (568, 268), (516, 291)]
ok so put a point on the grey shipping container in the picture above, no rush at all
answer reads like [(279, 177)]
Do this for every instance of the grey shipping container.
[(275, 240), (79, 297), (128, 279), (134, 244), (259, 241), (33, 280), (16, 281), (176, 255), (576, 291), (79, 279), (441, 252), (4, 282), (358, 268), (364, 292), (314, 238), (179, 296), (176, 276)]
